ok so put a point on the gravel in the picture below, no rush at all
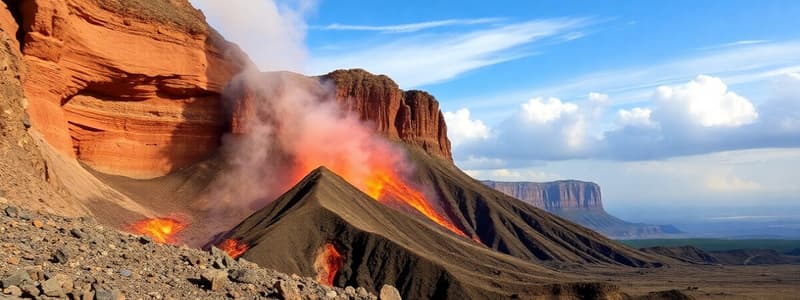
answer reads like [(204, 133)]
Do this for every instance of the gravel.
[(45, 256)]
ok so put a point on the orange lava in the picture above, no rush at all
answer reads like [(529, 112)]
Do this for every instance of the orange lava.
[(161, 230), (233, 247), (386, 186), (328, 264)]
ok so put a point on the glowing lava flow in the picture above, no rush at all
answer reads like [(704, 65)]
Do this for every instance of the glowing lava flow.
[(385, 186), (162, 230), (328, 264), (233, 247)]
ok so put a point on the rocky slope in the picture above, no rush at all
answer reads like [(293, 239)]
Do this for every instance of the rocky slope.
[(24, 172), (376, 245), (580, 202), (51, 257)]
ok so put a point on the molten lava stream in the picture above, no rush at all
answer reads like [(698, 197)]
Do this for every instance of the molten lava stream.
[(328, 264), (385, 186), (233, 247), (161, 230)]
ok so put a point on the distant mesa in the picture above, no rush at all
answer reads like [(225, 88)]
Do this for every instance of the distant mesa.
[(580, 202)]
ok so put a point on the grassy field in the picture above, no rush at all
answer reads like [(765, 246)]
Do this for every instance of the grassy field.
[(717, 244)]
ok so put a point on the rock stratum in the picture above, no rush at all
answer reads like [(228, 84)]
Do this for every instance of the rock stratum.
[(553, 196), (412, 117), (580, 202), (139, 78)]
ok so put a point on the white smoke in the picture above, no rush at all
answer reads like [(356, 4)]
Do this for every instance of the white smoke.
[(271, 33)]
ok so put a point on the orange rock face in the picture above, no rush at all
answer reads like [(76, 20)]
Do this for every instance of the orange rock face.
[(409, 116), (129, 88)]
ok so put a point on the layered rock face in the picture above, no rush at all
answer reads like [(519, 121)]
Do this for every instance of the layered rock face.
[(565, 194), (580, 202), (127, 87), (409, 116)]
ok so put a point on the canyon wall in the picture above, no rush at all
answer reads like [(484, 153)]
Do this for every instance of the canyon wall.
[(126, 87), (579, 202), (557, 195), (412, 116)]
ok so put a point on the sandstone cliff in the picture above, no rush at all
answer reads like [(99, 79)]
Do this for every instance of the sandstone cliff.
[(580, 202), (552, 196), (409, 116), (126, 87)]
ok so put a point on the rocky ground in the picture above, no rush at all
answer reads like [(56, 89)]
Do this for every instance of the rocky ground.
[(47, 256)]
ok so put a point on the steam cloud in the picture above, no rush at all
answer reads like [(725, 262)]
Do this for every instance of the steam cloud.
[(286, 125), (272, 33)]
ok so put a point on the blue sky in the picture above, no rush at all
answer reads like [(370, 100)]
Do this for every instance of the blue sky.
[(674, 102)]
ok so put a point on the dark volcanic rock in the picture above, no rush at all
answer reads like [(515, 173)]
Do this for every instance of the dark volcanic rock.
[(376, 248)]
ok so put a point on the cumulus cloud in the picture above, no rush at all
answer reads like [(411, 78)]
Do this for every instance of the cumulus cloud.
[(707, 101), (537, 110), (461, 128), (697, 117), (635, 117)]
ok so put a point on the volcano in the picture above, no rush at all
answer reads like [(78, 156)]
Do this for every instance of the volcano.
[(363, 242)]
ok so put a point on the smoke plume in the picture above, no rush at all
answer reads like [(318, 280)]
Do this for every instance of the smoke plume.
[(283, 126)]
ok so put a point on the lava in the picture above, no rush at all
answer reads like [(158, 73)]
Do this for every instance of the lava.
[(387, 186), (162, 230), (233, 247), (328, 264)]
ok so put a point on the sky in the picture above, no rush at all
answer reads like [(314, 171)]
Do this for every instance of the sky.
[(663, 103)]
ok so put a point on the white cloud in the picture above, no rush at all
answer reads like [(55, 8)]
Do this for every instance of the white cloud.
[(409, 27), (423, 59), (538, 110), (635, 117), (272, 35), (708, 102), (701, 116), (461, 128), (730, 183)]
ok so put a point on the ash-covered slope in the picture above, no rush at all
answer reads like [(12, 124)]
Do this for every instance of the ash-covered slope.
[(579, 202), (510, 226), (379, 245)]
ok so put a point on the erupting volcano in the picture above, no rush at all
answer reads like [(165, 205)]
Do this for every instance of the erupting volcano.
[(382, 182), (328, 264), (233, 247), (162, 230)]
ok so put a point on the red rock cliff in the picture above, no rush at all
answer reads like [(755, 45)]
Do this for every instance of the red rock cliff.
[(409, 116), (553, 196), (127, 87)]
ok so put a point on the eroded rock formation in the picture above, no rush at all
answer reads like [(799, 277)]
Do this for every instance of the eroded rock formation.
[(564, 194), (127, 87), (579, 202), (409, 116)]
